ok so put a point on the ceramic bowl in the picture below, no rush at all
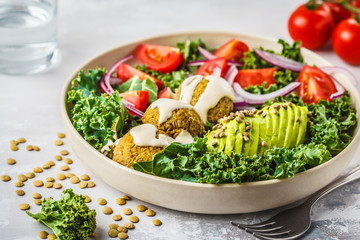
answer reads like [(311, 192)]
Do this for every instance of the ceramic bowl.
[(198, 197)]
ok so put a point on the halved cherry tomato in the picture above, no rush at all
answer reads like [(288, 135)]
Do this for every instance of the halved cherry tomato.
[(165, 93), (315, 85), (233, 50), (162, 58), (125, 72), (252, 77), (209, 66), (140, 99)]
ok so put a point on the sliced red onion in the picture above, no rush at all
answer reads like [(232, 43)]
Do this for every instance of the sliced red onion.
[(239, 102), (115, 81), (231, 74), (216, 72), (197, 63), (279, 61), (340, 90), (130, 107), (260, 99), (235, 63), (333, 69), (205, 53)]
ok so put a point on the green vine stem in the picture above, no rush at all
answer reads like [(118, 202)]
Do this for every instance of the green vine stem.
[(346, 4)]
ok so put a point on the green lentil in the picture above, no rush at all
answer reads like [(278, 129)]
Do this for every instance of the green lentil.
[(5, 178), (113, 233), (122, 235), (117, 217), (10, 161), (43, 234), (20, 192), (156, 222)]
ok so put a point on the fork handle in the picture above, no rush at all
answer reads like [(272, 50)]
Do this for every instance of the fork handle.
[(351, 176)]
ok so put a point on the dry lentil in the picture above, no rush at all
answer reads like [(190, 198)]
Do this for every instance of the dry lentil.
[(140, 208), (107, 210), (117, 217), (51, 163), (156, 222), (36, 148), (126, 197), (64, 152), (30, 175), (10, 161), (61, 176), (19, 184), (5, 178), (113, 226), (68, 160), (38, 201), (64, 168), (43, 234), (20, 192), (127, 211), (29, 148), (129, 225), (21, 140), (83, 185), (122, 235), (14, 147), (50, 179), (36, 195), (57, 185), (24, 206), (120, 201), (101, 201), (38, 183), (51, 236), (58, 157), (90, 184), (69, 175), (46, 166), (113, 233), (133, 219), (61, 135), (14, 142), (74, 180), (38, 170), (59, 142), (22, 178), (122, 229), (48, 184), (150, 213), (264, 144), (85, 177), (87, 199)]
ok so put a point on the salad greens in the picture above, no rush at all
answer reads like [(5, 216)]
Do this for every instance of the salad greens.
[(135, 83), (69, 217)]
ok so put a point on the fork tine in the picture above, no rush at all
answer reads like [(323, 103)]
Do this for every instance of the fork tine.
[(268, 222), (263, 230)]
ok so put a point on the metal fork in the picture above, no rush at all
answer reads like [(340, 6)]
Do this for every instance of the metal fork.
[(294, 222)]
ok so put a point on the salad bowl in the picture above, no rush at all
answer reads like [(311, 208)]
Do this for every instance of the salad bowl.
[(199, 197)]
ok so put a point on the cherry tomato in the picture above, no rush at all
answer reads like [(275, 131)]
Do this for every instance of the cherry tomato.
[(233, 50), (346, 41), (165, 93), (125, 72), (140, 99), (339, 12), (312, 27), (162, 58), (315, 85), (252, 77), (209, 66)]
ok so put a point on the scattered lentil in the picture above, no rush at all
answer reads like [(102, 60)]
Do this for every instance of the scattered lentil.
[(50, 179), (51, 163), (5, 178), (57, 185), (36, 195), (29, 148), (141, 208), (43, 234), (14, 147), (264, 144), (22, 178), (113, 226), (68, 160), (69, 175), (122, 229), (113, 233), (36, 148), (48, 184), (30, 175), (297, 119), (38, 201), (246, 139), (14, 142), (156, 222), (38, 183), (83, 185), (117, 217), (19, 184), (126, 197), (150, 213), (20, 192), (59, 142), (127, 211), (101, 201), (46, 166), (38, 170), (133, 219), (24, 206), (74, 180), (129, 225), (10, 161), (21, 140), (120, 201), (122, 235), (58, 157), (60, 176), (64, 168), (85, 177), (61, 135), (90, 184), (64, 152), (87, 199), (51, 236), (247, 128), (107, 210)]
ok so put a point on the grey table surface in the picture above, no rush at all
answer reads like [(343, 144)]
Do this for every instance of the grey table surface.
[(29, 107)]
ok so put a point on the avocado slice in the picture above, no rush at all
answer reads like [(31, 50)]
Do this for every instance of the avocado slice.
[(263, 135), (289, 133), (302, 125), (246, 144), (283, 124), (269, 130), (254, 137), (230, 132), (296, 125), (239, 137), (275, 126)]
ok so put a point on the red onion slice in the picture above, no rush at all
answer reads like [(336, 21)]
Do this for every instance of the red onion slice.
[(333, 69), (279, 61), (205, 53), (340, 90), (260, 99), (216, 72), (231, 74), (115, 81), (197, 63)]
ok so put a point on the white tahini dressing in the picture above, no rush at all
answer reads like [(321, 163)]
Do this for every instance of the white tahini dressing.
[(166, 107), (216, 89), (145, 135)]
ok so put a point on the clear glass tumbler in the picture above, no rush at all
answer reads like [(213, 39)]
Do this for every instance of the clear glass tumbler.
[(28, 35)]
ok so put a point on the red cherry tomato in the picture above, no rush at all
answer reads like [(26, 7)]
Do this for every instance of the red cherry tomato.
[(312, 27), (252, 77), (165, 93), (346, 41), (339, 12), (140, 99), (162, 58), (125, 72), (209, 67), (315, 85), (233, 50)]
